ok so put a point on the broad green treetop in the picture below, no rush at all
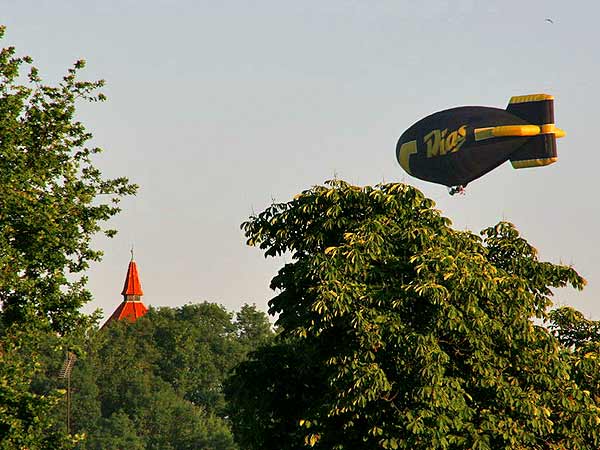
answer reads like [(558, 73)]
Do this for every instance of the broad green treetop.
[(414, 335)]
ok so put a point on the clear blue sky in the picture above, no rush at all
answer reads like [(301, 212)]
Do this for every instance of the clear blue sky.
[(217, 108)]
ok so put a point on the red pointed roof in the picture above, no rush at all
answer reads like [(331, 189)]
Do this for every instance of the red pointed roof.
[(132, 284), (128, 310), (131, 308)]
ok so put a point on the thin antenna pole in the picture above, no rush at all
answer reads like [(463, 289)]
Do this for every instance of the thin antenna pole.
[(65, 372), (69, 403)]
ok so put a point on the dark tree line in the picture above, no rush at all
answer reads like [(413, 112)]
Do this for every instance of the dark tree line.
[(157, 383)]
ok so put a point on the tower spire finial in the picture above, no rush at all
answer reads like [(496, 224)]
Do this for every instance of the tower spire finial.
[(131, 252)]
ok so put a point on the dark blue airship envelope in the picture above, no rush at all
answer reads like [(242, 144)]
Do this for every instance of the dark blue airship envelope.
[(458, 145)]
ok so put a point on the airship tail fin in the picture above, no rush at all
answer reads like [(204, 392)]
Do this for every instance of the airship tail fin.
[(539, 150), (537, 109)]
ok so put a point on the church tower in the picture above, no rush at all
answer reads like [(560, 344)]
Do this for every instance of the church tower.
[(132, 307)]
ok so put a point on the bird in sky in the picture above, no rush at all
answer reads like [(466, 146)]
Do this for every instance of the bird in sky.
[(549, 20)]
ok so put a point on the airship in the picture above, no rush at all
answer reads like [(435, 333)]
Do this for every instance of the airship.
[(458, 145)]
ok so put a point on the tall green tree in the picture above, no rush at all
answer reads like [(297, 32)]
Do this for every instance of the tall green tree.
[(53, 200), (398, 332)]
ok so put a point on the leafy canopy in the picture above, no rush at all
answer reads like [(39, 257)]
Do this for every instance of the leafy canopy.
[(52, 198), (157, 383), (399, 332)]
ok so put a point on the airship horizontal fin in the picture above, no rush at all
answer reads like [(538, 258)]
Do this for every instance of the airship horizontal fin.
[(550, 128), (506, 131)]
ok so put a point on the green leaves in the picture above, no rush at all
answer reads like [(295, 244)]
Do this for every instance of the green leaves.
[(52, 198), (157, 383), (26, 412), (414, 335), (52, 202)]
